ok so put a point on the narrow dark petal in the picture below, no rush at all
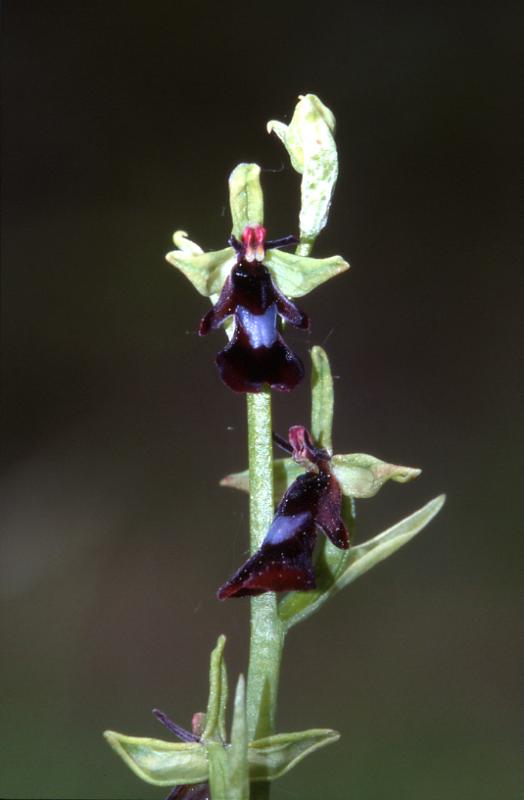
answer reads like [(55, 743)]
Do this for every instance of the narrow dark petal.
[(283, 562), (283, 242), (282, 443), (177, 730), (235, 244)]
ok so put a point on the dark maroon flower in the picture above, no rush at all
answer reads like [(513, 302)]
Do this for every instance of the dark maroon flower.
[(257, 353), (190, 791), (284, 561)]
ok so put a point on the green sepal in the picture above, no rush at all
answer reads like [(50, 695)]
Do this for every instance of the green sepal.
[(285, 470), (322, 399), (161, 763), (245, 197), (297, 606), (215, 727), (297, 275), (206, 271), (313, 153), (238, 752), (170, 764), (360, 475), (273, 756)]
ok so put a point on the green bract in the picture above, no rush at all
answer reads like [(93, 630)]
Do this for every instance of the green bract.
[(313, 153), (229, 767)]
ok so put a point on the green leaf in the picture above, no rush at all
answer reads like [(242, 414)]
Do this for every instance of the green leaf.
[(273, 756), (245, 197), (322, 399), (161, 763), (206, 271), (217, 702), (313, 153), (238, 752), (361, 475), (360, 559), (297, 275), (285, 470)]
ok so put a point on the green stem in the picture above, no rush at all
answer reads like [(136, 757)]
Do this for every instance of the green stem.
[(304, 247), (267, 634)]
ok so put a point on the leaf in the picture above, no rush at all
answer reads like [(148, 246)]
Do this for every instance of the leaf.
[(360, 475), (273, 756), (237, 755), (245, 197), (161, 763), (297, 275), (285, 470), (360, 559), (206, 271), (313, 153), (322, 399), (217, 702)]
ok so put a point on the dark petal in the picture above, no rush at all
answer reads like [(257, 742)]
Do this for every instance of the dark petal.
[(223, 308), (285, 241), (246, 369), (289, 311), (177, 730), (233, 242), (194, 791), (328, 515), (282, 443), (282, 564)]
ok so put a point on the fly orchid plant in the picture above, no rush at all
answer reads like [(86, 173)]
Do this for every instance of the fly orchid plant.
[(302, 507)]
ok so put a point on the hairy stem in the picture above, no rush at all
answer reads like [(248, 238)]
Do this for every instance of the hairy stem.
[(267, 635), (304, 247)]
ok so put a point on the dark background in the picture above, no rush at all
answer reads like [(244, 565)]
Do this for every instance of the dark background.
[(122, 121)]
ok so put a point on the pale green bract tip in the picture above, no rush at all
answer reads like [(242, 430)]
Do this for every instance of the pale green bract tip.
[(309, 142)]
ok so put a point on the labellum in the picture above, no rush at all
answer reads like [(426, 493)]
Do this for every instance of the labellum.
[(257, 354), (284, 561)]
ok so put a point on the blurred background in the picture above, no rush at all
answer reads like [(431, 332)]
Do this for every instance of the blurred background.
[(122, 121)]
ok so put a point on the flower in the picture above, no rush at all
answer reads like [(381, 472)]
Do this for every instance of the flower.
[(195, 791), (257, 353), (284, 561)]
